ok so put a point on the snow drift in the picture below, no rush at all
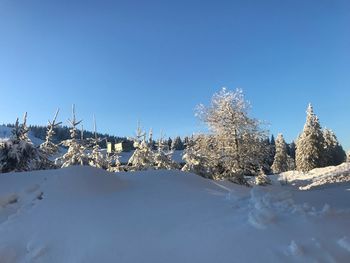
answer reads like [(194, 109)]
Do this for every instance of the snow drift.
[(84, 214)]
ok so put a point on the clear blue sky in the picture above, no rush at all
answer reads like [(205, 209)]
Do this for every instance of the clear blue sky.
[(154, 61)]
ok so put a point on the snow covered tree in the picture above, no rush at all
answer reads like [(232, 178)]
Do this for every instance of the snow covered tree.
[(334, 153), (177, 144), (163, 156), (280, 161), (76, 149), (48, 147), (348, 156), (18, 153), (143, 157), (239, 144), (196, 156), (262, 178), (114, 164), (310, 144), (96, 158)]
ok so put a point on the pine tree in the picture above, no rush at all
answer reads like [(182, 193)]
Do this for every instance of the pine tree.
[(334, 153), (177, 144), (18, 153), (196, 156), (96, 158), (310, 144), (76, 149), (262, 178), (280, 161), (143, 157), (291, 149), (49, 148), (163, 156)]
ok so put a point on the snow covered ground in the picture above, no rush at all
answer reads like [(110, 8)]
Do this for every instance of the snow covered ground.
[(83, 214), (317, 177)]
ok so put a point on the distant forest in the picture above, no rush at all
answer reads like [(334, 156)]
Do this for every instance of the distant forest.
[(62, 133)]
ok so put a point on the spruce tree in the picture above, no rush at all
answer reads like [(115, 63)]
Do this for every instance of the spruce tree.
[(143, 156), (49, 148), (18, 153), (280, 161), (96, 158), (334, 153), (310, 144), (163, 156), (76, 154)]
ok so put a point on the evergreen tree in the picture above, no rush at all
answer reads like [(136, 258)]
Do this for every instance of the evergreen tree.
[(18, 152), (48, 148), (310, 144), (177, 144), (76, 149), (280, 161), (143, 157), (96, 158), (163, 156), (291, 149), (334, 153), (196, 156), (262, 178)]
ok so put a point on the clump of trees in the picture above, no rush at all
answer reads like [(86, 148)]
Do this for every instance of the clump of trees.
[(316, 148), (236, 145), (18, 153)]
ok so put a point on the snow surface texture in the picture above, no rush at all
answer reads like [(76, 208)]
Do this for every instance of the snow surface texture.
[(83, 214), (317, 177)]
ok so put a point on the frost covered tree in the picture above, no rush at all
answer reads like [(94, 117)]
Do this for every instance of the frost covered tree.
[(334, 153), (18, 153), (76, 154), (96, 158), (280, 163), (114, 164), (163, 156), (238, 143), (48, 148), (262, 178), (197, 158), (143, 157), (310, 144)]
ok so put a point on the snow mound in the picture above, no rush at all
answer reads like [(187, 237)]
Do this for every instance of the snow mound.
[(317, 177)]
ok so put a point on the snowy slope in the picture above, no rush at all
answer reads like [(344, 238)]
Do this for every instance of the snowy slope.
[(82, 214), (6, 132)]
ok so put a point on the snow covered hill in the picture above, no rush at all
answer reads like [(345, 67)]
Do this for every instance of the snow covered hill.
[(6, 132), (83, 214)]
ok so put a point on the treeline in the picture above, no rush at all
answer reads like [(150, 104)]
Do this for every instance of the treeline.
[(62, 133)]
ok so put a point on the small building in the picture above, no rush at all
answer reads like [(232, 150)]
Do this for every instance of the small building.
[(109, 147), (121, 147)]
